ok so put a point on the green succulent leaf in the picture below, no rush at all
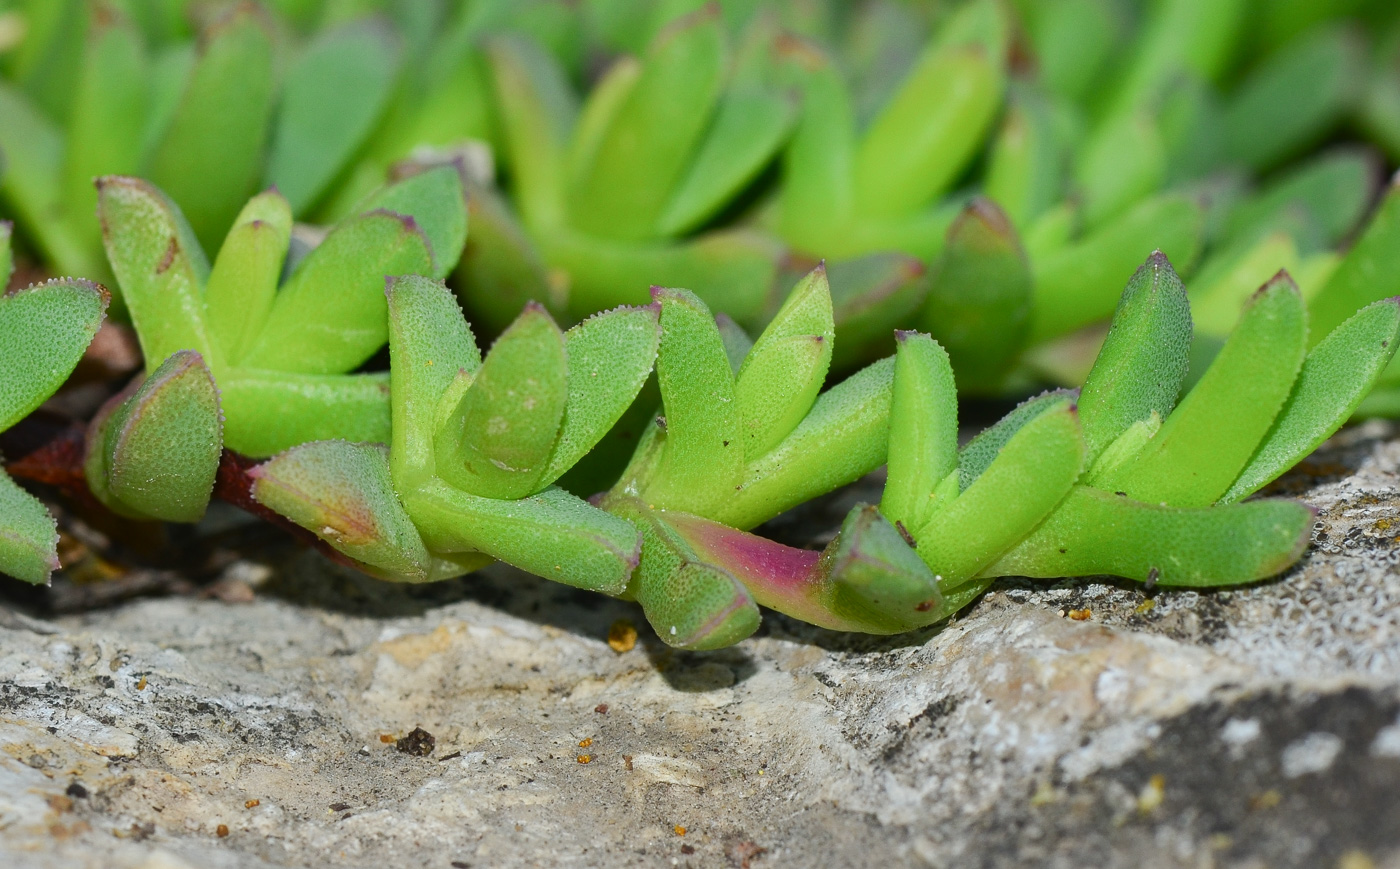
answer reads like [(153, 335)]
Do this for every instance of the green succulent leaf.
[(1080, 283), (156, 455), (1333, 380), (979, 453), (501, 269), (923, 440), (332, 96), (243, 282), (434, 198), (106, 126), (783, 372), (1209, 438), (703, 458), (537, 111), (609, 357), (817, 199), (341, 492), (1029, 476), (1122, 162), (979, 297), (1024, 172), (870, 295), (429, 344), (934, 123), (844, 437), (643, 152), (749, 127), (498, 440), (158, 263), (44, 331), (331, 315), (1097, 532), (28, 535), (210, 155), (551, 534), (266, 412), (1369, 272), (1143, 362)]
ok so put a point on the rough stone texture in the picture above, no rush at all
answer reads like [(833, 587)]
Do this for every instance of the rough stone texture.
[(1244, 728)]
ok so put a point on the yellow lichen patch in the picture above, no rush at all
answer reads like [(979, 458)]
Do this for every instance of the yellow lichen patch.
[(413, 649), (622, 636), (585, 758), (680, 831), (1152, 794), (1081, 614), (584, 743)]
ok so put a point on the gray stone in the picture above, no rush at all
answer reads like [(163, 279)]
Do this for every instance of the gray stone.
[(1245, 728)]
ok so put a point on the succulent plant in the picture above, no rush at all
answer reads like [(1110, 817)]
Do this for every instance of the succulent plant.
[(44, 330), (109, 89), (281, 328), (477, 445)]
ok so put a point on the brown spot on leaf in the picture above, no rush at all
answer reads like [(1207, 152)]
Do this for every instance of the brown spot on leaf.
[(169, 257)]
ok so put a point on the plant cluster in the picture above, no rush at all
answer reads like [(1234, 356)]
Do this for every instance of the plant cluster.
[(981, 202)]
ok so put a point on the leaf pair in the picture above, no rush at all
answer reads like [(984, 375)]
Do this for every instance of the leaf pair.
[(476, 447), (205, 123), (44, 330), (744, 435), (662, 144), (1127, 481), (279, 349)]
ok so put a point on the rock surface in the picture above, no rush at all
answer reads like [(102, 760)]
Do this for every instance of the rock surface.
[(1245, 728)]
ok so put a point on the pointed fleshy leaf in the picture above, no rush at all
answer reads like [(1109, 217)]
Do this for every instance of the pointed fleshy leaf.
[(978, 454), (331, 315), (817, 198), (737, 342), (641, 156), (783, 372), (266, 412), (243, 282), (1334, 378), (1209, 438), (158, 263), (498, 440), (599, 109), (1096, 532), (1024, 171), (434, 198), (1143, 361), (1020, 487), (1369, 272), (209, 157), (537, 111), (749, 127), (28, 535), (689, 602), (44, 331), (1179, 37), (1081, 283), (429, 344), (161, 447), (844, 437), (979, 298), (1123, 161), (923, 430), (609, 357), (937, 119), (550, 534), (331, 98), (107, 124), (1293, 99), (703, 459), (341, 492)]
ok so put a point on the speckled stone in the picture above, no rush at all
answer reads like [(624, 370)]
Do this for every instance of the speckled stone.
[(1251, 727)]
